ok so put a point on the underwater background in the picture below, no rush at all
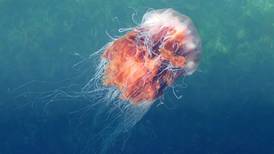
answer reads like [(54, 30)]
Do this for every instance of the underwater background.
[(227, 105)]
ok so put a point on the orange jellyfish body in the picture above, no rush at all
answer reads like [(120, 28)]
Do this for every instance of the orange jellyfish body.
[(142, 63)]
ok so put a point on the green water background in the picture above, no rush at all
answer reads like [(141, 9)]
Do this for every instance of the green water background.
[(227, 106)]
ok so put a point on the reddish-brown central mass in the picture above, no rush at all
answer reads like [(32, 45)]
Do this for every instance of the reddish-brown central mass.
[(139, 71)]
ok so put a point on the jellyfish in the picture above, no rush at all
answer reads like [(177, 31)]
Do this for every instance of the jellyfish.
[(136, 68)]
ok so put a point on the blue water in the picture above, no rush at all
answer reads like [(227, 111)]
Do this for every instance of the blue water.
[(227, 105)]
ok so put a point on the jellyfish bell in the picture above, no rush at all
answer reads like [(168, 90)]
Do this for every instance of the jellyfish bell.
[(146, 60)]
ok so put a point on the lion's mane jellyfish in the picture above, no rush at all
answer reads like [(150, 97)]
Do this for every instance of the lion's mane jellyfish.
[(136, 68)]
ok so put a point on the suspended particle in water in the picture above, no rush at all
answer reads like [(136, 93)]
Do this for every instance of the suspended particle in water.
[(136, 68)]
